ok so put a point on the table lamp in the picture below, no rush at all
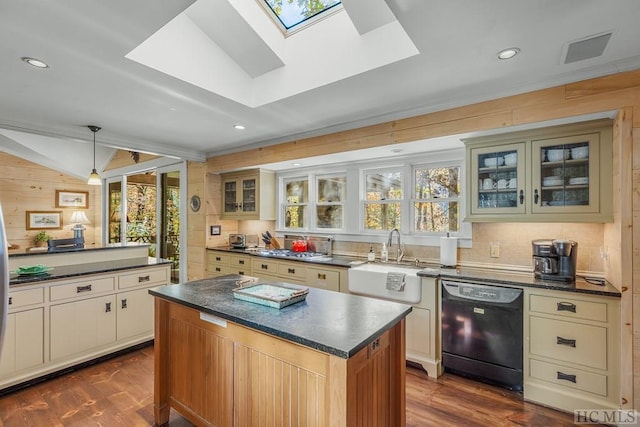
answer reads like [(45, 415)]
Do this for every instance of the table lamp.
[(79, 218)]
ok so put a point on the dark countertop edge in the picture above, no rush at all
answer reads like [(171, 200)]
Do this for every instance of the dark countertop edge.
[(284, 335), (529, 282), (74, 250), (15, 282)]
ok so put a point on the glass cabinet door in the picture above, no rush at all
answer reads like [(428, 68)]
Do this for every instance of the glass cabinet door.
[(498, 179), (230, 196), (565, 174), (249, 195)]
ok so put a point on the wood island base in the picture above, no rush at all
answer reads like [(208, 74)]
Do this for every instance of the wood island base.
[(220, 373)]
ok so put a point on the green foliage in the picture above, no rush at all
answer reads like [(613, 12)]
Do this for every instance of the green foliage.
[(42, 236)]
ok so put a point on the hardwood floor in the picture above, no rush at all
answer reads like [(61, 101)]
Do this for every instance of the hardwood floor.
[(119, 392)]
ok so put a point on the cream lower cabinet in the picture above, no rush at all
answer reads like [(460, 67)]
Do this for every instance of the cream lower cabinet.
[(572, 350), (82, 325), (57, 324), (422, 330)]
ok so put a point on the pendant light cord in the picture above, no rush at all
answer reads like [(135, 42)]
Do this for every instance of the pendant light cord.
[(95, 130)]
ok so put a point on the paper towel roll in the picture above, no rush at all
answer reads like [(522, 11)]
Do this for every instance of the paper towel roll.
[(448, 251)]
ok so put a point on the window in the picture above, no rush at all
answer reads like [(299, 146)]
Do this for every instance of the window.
[(382, 199), (331, 194), (296, 202), (292, 13), (435, 204)]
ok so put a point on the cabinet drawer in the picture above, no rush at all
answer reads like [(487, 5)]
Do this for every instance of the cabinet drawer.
[(571, 342), (264, 266), (323, 279), (568, 307), (293, 271), (218, 270), (82, 288), (217, 258), (26, 297), (239, 261), (142, 278), (568, 377)]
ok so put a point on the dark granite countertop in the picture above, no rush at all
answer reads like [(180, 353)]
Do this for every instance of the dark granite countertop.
[(67, 271), (45, 251), (497, 277), (332, 322), (334, 260)]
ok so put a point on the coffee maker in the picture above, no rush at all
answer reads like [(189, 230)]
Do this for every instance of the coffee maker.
[(555, 259)]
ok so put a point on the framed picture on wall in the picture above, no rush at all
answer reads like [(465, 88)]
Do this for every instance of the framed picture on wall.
[(72, 199), (44, 220)]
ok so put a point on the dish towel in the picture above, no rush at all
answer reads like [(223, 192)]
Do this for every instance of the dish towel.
[(395, 281)]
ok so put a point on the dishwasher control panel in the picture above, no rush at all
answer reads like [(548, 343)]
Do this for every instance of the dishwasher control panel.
[(477, 292)]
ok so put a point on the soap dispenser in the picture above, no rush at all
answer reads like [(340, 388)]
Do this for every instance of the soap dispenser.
[(371, 256)]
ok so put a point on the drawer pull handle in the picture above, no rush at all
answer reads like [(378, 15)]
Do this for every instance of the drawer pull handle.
[(566, 377), (218, 269), (83, 289), (241, 261), (217, 258), (144, 278), (565, 341), (292, 270), (566, 306), (264, 266), (322, 276), (10, 300), (124, 303), (107, 307), (241, 273)]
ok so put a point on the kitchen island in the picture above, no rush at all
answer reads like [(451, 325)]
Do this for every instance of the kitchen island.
[(331, 360)]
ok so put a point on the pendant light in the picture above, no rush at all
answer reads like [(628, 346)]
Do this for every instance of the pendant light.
[(94, 178)]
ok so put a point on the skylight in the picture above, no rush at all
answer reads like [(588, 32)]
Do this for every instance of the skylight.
[(292, 13)]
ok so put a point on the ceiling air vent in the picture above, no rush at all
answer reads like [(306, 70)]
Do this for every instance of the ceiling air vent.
[(587, 48)]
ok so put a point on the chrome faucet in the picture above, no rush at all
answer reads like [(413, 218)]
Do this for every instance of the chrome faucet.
[(400, 250)]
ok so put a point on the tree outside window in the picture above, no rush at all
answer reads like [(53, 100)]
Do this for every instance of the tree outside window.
[(383, 197), (436, 207)]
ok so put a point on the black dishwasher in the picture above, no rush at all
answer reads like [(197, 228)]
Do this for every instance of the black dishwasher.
[(482, 332)]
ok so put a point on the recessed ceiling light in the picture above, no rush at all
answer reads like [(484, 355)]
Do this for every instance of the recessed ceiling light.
[(396, 150), (238, 127), (296, 164), (35, 62), (508, 53)]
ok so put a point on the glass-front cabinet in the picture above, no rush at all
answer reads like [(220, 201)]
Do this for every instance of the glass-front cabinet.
[(556, 174), (499, 186), (248, 195)]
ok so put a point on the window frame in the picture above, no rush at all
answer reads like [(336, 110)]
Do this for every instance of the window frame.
[(363, 202), (284, 203), (317, 202)]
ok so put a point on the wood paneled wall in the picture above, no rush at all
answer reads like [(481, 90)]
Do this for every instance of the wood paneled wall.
[(619, 92), (26, 186)]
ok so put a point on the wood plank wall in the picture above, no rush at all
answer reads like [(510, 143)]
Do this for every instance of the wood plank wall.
[(619, 92), (25, 185)]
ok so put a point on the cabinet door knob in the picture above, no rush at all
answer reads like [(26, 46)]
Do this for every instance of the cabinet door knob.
[(107, 307), (565, 341), (144, 278), (566, 306), (522, 197), (124, 303), (86, 288), (536, 196)]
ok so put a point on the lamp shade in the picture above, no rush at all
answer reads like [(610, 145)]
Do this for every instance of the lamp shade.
[(79, 217)]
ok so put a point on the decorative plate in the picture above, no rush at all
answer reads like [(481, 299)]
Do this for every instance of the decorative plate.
[(195, 203)]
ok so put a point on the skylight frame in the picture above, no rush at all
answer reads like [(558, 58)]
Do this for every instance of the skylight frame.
[(287, 31)]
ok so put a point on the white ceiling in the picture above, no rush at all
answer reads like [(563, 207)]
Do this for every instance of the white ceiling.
[(173, 77)]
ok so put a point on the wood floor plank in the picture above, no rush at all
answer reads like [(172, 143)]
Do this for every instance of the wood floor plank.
[(119, 392)]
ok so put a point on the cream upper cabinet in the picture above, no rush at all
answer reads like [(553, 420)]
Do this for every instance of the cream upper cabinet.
[(557, 174), (248, 195)]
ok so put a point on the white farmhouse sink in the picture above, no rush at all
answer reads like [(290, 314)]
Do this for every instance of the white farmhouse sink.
[(371, 280)]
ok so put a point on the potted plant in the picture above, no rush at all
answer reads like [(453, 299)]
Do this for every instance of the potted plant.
[(41, 238)]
